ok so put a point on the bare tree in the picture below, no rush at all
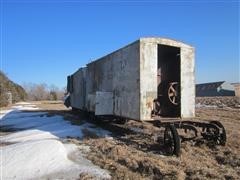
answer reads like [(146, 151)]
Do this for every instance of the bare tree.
[(38, 92)]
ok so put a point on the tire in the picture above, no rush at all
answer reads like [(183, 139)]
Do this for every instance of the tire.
[(222, 138), (172, 140)]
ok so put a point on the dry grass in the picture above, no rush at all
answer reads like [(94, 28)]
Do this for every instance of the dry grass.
[(50, 105)]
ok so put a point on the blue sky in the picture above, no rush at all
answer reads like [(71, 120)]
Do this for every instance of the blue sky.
[(44, 41)]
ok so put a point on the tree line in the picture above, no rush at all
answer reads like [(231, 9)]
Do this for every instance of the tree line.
[(39, 92), (10, 92)]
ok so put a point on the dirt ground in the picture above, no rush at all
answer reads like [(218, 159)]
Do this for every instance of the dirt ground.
[(134, 152)]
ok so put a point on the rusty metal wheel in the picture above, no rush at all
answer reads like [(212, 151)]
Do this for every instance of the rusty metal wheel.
[(222, 137), (172, 140), (173, 93)]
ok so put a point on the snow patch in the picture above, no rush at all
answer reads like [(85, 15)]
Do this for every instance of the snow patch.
[(37, 152), (4, 112), (27, 135), (55, 125), (34, 159)]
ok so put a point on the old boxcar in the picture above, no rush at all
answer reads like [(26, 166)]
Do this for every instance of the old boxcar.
[(151, 79)]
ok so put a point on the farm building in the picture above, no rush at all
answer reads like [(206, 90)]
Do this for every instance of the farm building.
[(221, 88)]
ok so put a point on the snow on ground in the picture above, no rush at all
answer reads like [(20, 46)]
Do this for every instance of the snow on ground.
[(4, 112), (199, 105), (36, 150), (21, 105)]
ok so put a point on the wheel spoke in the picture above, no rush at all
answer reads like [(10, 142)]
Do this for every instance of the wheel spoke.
[(173, 93), (174, 99), (172, 89)]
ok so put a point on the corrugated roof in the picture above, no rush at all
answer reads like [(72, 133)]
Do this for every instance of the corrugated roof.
[(208, 86)]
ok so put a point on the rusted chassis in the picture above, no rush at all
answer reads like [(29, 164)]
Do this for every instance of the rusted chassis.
[(212, 131)]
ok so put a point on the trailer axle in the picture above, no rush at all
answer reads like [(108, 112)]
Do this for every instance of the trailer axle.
[(212, 131)]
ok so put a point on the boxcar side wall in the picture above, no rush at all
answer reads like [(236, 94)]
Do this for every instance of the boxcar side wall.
[(77, 97), (99, 79), (116, 73), (126, 82)]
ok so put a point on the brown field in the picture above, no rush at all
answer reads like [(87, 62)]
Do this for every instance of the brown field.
[(138, 155)]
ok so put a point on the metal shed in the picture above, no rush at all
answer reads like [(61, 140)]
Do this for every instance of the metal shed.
[(221, 88), (148, 79)]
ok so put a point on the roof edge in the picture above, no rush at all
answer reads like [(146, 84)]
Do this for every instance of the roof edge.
[(163, 40)]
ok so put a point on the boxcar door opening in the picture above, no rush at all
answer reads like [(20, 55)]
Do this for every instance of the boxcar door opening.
[(168, 101)]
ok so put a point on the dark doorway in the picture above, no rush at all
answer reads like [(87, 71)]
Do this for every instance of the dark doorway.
[(168, 75)]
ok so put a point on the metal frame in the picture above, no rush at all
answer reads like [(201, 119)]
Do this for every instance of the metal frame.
[(211, 131)]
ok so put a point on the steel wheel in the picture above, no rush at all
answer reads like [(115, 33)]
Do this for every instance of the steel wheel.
[(173, 94), (222, 137), (172, 140)]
